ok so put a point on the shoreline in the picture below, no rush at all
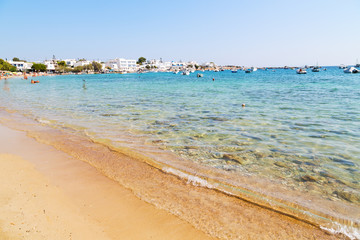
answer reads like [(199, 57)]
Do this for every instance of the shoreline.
[(232, 216), (46, 194)]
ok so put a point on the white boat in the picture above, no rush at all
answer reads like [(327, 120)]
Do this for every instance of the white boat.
[(176, 72), (301, 71), (185, 73), (342, 66), (200, 75), (351, 70), (315, 69), (253, 69), (234, 71)]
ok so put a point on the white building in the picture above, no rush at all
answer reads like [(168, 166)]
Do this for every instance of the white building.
[(82, 63), (21, 66), (121, 64), (70, 62), (50, 65)]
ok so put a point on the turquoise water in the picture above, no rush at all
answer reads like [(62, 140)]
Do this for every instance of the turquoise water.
[(300, 130)]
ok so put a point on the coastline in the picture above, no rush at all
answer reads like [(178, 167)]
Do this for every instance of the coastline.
[(213, 212), (46, 194)]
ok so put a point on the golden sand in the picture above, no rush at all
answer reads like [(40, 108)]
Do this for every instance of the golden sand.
[(46, 194), (108, 208)]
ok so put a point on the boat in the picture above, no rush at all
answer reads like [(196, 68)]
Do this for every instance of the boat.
[(351, 70), (176, 72), (253, 69), (357, 63), (185, 73), (342, 66), (248, 70), (216, 70), (315, 69), (301, 71), (234, 71), (200, 75)]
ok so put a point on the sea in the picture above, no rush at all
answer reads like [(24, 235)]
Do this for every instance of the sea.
[(284, 141)]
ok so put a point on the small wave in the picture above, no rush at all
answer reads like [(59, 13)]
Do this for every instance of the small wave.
[(43, 121), (351, 232), (196, 181)]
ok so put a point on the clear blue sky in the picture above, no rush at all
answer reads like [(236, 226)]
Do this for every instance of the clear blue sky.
[(242, 32)]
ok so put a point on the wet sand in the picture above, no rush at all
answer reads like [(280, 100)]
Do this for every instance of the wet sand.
[(117, 213), (47, 194)]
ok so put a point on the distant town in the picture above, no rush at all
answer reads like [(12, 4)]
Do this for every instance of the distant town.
[(117, 65), (122, 65)]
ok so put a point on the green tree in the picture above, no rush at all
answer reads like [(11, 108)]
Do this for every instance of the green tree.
[(5, 66), (148, 67), (15, 59), (96, 66), (61, 63), (141, 60), (39, 67), (78, 69)]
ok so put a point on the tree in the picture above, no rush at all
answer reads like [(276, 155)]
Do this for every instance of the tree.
[(97, 66), (39, 67), (78, 69), (148, 67), (15, 59), (61, 63), (141, 60), (5, 66)]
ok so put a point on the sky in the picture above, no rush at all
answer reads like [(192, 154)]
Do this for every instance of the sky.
[(227, 32)]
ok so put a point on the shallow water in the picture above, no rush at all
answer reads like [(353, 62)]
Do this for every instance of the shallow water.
[(300, 131)]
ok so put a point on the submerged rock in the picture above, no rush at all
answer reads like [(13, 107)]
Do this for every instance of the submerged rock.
[(280, 164), (235, 158), (309, 178), (348, 196)]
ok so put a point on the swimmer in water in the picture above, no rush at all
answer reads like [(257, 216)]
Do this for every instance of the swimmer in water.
[(84, 84)]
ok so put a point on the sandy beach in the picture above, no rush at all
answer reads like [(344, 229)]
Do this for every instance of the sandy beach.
[(46, 194), (50, 191)]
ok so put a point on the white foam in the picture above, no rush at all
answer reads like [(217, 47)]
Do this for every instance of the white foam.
[(351, 232), (43, 121), (196, 181)]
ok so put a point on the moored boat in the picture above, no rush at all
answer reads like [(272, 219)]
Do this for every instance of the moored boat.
[(301, 71), (351, 70), (248, 70), (315, 69)]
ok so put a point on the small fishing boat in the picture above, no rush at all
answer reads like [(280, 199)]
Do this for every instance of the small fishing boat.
[(185, 73), (200, 75), (234, 71), (315, 69), (253, 69), (176, 72), (351, 70), (342, 66), (248, 70), (301, 71)]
